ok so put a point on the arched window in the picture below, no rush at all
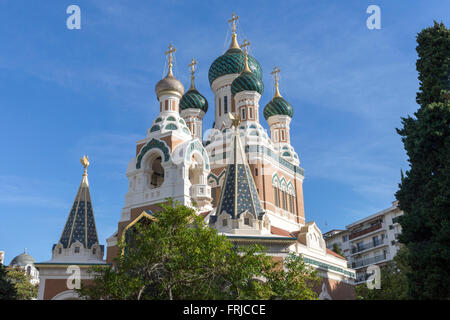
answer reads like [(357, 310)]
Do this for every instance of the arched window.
[(155, 172), (283, 194), (291, 203), (29, 270), (277, 200)]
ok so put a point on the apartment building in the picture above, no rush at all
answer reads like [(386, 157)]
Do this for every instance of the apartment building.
[(368, 241)]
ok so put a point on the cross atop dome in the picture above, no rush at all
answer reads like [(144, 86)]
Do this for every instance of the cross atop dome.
[(275, 73), (234, 43), (192, 66), (170, 53), (245, 46)]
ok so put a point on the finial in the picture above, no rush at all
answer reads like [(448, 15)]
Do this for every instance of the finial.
[(234, 43), (275, 73), (192, 66), (235, 120), (170, 53), (85, 162), (245, 45)]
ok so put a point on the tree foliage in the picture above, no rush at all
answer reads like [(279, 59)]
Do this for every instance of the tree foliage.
[(7, 289), (15, 284), (424, 191), (22, 282), (178, 256)]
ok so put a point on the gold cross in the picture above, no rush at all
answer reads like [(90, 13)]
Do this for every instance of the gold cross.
[(245, 45), (192, 65), (170, 54), (275, 73), (233, 20)]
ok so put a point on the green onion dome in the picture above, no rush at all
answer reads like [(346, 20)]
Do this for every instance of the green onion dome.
[(231, 62), (247, 81), (278, 106), (193, 99)]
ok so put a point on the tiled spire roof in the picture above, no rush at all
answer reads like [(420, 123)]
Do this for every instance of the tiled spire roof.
[(239, 192), (80, 224)]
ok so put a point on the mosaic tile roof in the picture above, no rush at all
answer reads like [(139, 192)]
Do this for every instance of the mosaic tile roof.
[(247, 81), (239, 192), (80, 225), (194, 99), (278, 106), (233, 61)]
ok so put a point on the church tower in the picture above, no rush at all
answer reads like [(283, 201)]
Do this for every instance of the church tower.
[(221, 74), (77, 250), (170, 161), (193, 106)]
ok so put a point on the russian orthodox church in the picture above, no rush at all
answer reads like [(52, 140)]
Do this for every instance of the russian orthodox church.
[(246, 183)]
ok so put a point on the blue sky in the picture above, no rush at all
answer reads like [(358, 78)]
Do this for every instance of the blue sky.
[(65, 93)]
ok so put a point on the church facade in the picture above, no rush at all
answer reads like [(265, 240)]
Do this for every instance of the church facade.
[(246, 182)]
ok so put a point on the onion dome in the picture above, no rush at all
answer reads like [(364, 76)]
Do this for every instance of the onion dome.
[(22, 260), (233, 61), (169, 83), (278, 105), (192, 98), (247, 81)]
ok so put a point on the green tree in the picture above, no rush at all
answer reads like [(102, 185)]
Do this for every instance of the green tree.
[(424, 191), (177, 256), (22, 283), (7, 289), (394, 283)]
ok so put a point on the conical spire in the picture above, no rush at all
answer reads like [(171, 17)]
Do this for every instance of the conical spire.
[(80, 224), (239, 192), (234, 43)]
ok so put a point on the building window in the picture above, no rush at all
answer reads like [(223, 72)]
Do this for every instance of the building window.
[(59, 250), (77, 249), (166, 105), (275, 135), (344, 238), (277, 200), (247, 221), (94, 250), (283, 194), (220, 107), (291, 203), (250, 113), (256, 171), (224, 222), (225, 104), (243, 113), (282, 135)]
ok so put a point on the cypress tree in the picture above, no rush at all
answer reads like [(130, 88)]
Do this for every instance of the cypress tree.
[(424, 191)]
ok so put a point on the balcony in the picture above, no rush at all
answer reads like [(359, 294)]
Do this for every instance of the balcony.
[(368, 261), (360, 233), (365, 246)]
